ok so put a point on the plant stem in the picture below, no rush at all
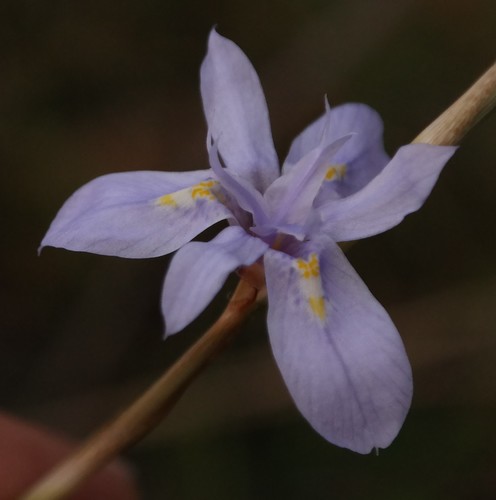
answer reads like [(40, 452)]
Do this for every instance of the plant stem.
[(452, 125), (151, 407)]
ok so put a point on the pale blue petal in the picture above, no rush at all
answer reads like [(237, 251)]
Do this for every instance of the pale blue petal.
[(246, 195), (363, 156), (236, 112), (198, 271), (341, 357), (291, 196), (400, 189), (136, 214)]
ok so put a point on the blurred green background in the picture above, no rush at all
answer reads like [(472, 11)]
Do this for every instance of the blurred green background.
[(94, 87)]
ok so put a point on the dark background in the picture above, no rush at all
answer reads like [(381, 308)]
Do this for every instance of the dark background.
[(93, 87)]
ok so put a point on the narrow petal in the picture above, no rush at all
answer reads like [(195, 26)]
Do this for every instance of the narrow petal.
[(400, 189), (137, 214), (357, 162), (246, 196), (198, 271), (291, 196), (338, 351), (236, 112)]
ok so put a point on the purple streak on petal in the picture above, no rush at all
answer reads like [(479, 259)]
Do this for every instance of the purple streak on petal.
[(291, 195), (247, 196), (400, 189), (118, 214), (198, 271), (236, 112), (347, 373), (363, 155)]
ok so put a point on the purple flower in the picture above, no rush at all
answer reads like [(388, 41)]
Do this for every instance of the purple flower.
[(338, 351)]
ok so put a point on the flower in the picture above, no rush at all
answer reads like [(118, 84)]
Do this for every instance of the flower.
[(338, 351)]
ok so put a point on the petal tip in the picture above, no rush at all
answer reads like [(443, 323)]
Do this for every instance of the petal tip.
[(215, 38), (40, 248), (171, 328)]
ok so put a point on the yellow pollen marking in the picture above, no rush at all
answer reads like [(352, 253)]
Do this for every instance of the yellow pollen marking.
[(167, 199), (203, 190), (335, 172), (309, 269), (186, 197), (317, 305), (311, 285)]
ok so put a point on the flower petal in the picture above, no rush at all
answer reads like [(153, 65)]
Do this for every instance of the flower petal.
[(338, 351), (363, 157), (291, 196), (137, 214), (400, 189), (236, 112), (198, 271), (246, 196)]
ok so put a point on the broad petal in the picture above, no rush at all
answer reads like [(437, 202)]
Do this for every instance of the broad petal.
[(198, 271), (400, 189), (338, 351), (363, 157), (236, 112), (137, 214)]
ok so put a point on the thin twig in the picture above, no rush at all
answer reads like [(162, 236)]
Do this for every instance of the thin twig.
[(145, 413), (151, 407)]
